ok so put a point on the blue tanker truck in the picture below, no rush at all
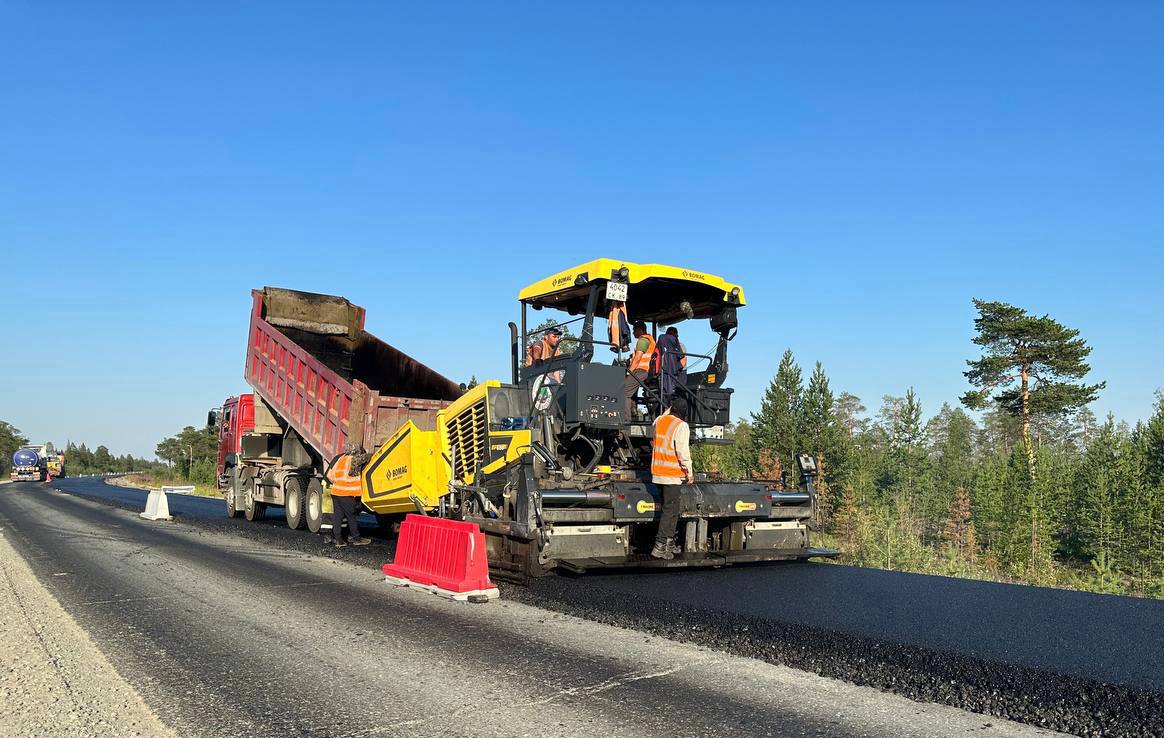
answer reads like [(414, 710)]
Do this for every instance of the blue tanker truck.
[(29, 466)]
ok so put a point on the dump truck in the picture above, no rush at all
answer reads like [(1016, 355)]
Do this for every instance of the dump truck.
[(549, 463), (319, 380)]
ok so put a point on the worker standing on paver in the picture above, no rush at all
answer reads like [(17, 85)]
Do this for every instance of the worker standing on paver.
[(672, 366), (639, 366), (670, 468), (346, 490), (547, 349), (544, 349)]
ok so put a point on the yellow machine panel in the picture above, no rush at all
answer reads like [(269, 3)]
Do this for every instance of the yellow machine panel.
[(408, 465)]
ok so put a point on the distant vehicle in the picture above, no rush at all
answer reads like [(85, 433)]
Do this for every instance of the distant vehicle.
[(28, 465)]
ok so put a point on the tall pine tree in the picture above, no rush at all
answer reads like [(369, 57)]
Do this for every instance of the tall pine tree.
[(776, 427), (1029, 364)]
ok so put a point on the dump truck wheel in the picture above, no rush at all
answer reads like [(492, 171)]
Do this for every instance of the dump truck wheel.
[(232, 510), (254, 509), (313, 506), (293, 503)]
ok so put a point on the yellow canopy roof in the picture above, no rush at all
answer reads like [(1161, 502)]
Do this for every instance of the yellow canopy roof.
[(656, 291)]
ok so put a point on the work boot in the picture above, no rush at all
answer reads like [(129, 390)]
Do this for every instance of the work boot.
[(674, 547), (662, 550), (359, 541)]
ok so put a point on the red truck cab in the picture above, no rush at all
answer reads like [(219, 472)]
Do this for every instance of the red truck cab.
[(236, 417)]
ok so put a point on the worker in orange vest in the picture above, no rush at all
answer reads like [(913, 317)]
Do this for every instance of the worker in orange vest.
[(670, 468), (545, 350), (639, 366), (346, 490)]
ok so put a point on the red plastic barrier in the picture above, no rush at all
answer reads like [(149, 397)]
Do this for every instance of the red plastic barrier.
[(449, 554)]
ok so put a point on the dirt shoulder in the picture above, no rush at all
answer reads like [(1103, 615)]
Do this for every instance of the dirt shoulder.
[(53, 679)]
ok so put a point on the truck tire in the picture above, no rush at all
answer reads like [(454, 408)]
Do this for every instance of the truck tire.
[(313, 505), (254, 510), (294, 501), (232, 510)]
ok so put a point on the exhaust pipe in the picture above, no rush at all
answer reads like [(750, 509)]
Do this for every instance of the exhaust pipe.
[(514, 350)]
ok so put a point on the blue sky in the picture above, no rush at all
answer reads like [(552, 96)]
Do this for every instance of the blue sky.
[(863, 169)]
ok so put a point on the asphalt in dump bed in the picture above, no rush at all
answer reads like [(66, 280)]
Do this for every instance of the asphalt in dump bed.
[(1070, 661)]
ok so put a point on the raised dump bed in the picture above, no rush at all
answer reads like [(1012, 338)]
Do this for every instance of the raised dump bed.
[(326, 378)]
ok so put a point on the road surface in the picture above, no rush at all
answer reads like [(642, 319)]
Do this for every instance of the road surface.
[(223, 635)]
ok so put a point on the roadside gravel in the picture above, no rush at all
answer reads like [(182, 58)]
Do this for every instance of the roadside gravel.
[(53, 680)]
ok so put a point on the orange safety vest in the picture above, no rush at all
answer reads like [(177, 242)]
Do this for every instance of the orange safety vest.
[(664, 459), (613, 325), (343, 483), (644, 362), (547, 352)]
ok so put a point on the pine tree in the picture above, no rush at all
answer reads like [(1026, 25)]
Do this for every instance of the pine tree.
[(906, 462), (848, 409), (1040, 354), (775, 427), (1153, 435), (958, 531), (992, 501), (1043, 357), (821, 436), (951, 435), (1150, 511)]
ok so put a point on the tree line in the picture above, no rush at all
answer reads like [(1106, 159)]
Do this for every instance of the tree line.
[(79, 459), (191, 454), (11, 439), (1037, 490)]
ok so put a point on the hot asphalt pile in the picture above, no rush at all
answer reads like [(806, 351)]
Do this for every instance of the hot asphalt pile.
[(1101, 678)]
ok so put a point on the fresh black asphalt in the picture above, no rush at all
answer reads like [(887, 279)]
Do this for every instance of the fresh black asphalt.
[(225, 634), (1076, 662)]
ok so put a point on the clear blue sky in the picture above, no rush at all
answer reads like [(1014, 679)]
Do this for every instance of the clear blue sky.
[(863, 169)]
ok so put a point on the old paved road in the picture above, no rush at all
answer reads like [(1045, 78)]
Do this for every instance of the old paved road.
[(226, 635)]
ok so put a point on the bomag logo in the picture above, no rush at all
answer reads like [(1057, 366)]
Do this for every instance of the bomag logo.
[(642, 506), (694, 275), (559, 281), (397, 472), (742, 506)]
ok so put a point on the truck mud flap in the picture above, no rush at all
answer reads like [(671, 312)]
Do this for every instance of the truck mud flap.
[(693, 560)]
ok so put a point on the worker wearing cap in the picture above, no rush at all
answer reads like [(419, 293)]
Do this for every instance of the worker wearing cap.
[(346, 490), (670, 468), (639, 366), (544, 350)]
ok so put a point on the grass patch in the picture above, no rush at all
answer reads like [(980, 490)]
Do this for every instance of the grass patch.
[(150, 480)]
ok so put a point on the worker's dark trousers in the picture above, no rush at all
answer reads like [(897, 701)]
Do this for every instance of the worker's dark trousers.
[(632, 386), (344, 508), (669, 520)]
